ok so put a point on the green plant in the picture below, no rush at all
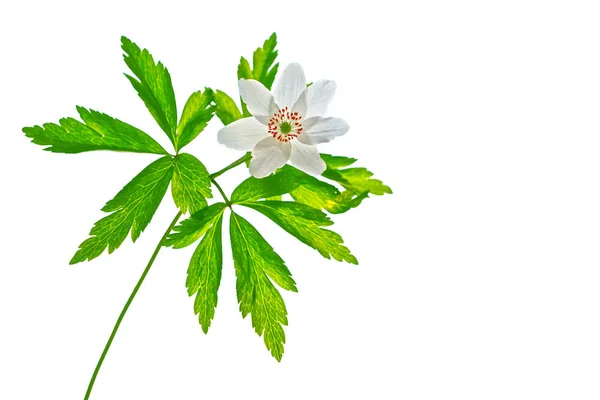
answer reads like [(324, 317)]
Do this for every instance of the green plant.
[(287, 137)]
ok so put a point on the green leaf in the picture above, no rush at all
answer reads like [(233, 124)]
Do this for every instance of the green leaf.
[(262, 68), (204, 273), (305, 222), (197, 113), (335, 162), (226, 110), (356, 179), (97, 132), (283, 181), (132, 209), (320, 195), (192, 229), (357, 182), (255, 262), (153, 85), (191, 183)]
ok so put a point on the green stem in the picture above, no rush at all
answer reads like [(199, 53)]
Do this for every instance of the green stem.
[(237, 162), (222, 192), (126, 307)]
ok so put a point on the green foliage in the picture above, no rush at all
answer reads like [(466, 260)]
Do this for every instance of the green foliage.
[(226, 109), (283, 181), (97, 132), (153, 85), (335, 162), (257, 266), (305, 224), (132, 209), (197, 113), (204, 273), (357, 182), (320, 195), (191, 183), (255, 262), (262, 68), (192, 229)]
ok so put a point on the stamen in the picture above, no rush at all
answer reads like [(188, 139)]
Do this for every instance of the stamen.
[(285, 125)]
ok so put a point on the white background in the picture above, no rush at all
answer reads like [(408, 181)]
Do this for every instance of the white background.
[(478, 278)]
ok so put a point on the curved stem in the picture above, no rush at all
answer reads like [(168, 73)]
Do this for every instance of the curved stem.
[(222, 192), (237, 162), (127, 304)]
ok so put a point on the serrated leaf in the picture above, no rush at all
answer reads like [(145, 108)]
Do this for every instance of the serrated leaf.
[(98, 131), (204, 273), (255, 262), (305, 222), (132, 209), (283, 181), (191, 183), (190, 230), (320, 195), (153, 85), (357, 182), (356, 179), (197, 113), (262, 68), (226, 109), (335, 162)]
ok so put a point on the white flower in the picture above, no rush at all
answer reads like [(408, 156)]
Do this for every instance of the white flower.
[(286, 125)]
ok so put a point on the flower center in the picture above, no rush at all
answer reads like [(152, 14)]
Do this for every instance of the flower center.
[(285, 125)]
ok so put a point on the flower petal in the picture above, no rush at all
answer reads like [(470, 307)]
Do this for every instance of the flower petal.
[(306, 157), (300, 104), (257, 97), (268, 155), (318, 97), (242, 134), (263, 119), (321, 130), (289, 86)]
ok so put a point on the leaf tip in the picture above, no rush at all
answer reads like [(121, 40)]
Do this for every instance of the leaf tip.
[(205, 326), (76, 258), (125, 41)]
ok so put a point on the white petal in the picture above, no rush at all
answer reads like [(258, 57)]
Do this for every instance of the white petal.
[(300, 105), (318, 97), (268, 155), (257, 97), (242, 134), (289, 86), (263, 119), (306, 157), (321, 130)]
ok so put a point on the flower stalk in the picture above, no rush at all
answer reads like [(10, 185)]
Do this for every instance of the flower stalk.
[(127, 304), (234, 164)]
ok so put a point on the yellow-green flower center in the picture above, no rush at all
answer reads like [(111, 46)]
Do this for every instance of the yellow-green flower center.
[(285, 127)]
